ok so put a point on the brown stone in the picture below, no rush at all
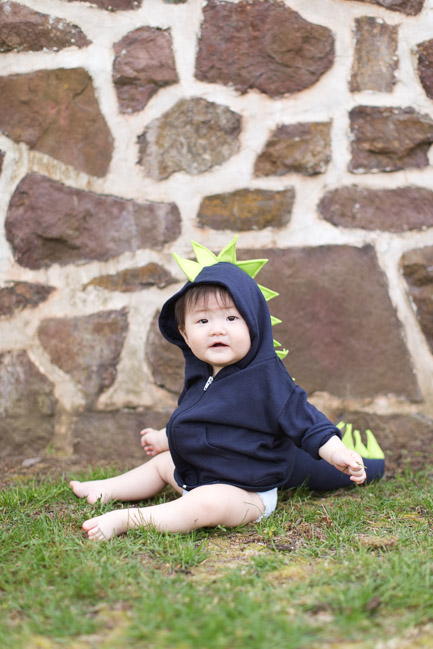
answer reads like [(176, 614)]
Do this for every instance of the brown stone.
[(134, 279), (113, 5), (115, 435), (392, 210), (296, 148), (144, 63), (21, 295), (425, 66), (27, 406), (194, 136), (407, 440), (417, 267), (261, 45), (86, 347), (408, 7), (389, 139), (338, 322), (165, 360), (375, 58), (25, 30), (56, 112), (247, 209), (50, 223)]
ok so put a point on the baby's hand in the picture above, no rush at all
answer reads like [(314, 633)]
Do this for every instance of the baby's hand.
[(349, 462), (337, 454), (154, 441)]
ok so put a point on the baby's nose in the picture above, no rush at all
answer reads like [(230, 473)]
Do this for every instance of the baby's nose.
[(218, 327)]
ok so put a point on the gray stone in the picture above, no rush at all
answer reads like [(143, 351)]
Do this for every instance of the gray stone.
[(50, 223), (16, 296), (408, 7), (392, 210), (389, 139), (115, 435), (417, 267), (338, 322), (144, 63), (296, 148), (134, 279), (27, 406), (25, 30), (56, 112), (87, 348), (261, 45), (375, 58), (194, 136), (247, 209), (165, 360)]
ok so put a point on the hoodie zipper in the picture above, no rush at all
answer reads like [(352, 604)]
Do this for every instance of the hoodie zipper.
[(207, 384)]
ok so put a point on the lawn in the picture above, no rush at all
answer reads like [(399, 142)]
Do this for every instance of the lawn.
[(351, 569)]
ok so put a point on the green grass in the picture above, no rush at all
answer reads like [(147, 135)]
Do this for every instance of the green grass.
[(351, 569)]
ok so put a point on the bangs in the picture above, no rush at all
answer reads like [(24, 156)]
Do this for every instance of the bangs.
[(200, 294)]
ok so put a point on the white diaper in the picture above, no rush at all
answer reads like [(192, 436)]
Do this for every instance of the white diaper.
[(269, 499)]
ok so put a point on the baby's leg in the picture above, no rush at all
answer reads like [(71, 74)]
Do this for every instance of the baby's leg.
[(206, 506), (142, 482)]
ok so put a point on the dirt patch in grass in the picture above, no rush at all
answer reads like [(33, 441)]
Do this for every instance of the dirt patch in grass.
[(19, 469)]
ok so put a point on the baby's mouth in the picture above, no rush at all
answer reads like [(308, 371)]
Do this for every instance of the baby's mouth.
[(219, 345)]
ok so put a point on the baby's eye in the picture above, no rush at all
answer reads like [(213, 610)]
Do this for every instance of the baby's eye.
[(232, 318), (203, 321)]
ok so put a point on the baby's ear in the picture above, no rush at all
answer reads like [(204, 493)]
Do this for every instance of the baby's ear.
[(183, 334)]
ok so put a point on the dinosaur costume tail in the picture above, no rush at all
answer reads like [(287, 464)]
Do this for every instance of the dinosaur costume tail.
[(321, 476)]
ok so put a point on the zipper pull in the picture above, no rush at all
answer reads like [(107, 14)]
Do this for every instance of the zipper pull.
[(208, 382)]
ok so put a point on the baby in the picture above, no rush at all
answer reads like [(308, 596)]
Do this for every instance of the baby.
[(240, 425)]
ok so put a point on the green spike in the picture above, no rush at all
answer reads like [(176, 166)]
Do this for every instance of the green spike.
[(276, 343), (189, 267), (359, 445), (252, 266), (203, 255), (275, 321), (229, 252), (268, 294), (374, 450), (282, 353), (347, 438), (341, 425)]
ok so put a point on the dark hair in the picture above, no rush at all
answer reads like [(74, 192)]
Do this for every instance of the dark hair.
[(194, 295)]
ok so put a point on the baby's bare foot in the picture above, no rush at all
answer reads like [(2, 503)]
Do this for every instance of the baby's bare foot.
[(102, 528), (93, 491)]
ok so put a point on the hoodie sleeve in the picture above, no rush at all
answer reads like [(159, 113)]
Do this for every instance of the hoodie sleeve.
[(306, 426)]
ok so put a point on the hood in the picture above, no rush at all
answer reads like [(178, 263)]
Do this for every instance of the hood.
[(250, 303)]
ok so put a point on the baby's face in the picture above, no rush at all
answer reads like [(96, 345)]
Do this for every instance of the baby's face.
[(216, 332)]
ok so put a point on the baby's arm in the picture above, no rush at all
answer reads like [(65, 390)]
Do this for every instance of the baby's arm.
[(344, 460), (154, 441)]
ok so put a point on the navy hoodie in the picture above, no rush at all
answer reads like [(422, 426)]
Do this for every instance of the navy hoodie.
[(241, 428)]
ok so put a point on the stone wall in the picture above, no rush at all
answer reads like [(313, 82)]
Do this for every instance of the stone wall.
[(129, 127)]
